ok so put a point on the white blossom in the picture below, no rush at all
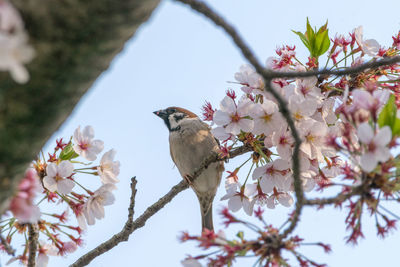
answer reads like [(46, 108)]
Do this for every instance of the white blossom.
[(250, 79), (94, 207), (14, 53), (273, 174), (376, 149), (108, 169), (14, 48), (56, 178), (267, 118), (85, 146), (314, 134), (242, 199), (232, 117), (370, 46), (43, 255)]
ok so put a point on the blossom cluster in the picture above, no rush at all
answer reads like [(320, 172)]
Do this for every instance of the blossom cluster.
[(320, 110), (14, 48), (55, 179), (348, 126), (269, 248)]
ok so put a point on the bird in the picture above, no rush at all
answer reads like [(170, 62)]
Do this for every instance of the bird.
[(191, 142)]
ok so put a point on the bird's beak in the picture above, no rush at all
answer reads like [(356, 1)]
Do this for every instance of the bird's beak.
[(161, 113)]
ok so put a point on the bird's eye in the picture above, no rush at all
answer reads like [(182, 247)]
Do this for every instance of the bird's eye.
[(172, 110), (179, 116)]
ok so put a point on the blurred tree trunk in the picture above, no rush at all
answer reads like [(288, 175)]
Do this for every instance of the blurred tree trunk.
[(75, 41)]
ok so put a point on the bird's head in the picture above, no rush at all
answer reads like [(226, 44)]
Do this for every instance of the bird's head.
[(173, 116)]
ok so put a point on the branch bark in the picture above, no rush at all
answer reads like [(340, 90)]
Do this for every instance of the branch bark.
[(73, 47), (6, 246), (33, 236)]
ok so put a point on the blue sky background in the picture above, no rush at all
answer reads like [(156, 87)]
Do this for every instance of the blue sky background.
[(179, 58)]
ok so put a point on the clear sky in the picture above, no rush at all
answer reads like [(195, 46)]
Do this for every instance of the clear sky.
[(179, 58)]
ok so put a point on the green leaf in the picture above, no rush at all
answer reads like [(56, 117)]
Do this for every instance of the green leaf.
[(323, 27), (68, 153), (388, 114), (303, 38), (310, 35), (322, 42), (396, 127), (317, 42)]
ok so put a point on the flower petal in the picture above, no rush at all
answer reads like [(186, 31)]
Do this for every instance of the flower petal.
[(365, 133)]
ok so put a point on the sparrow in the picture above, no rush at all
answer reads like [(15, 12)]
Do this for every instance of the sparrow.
[(191, 142)]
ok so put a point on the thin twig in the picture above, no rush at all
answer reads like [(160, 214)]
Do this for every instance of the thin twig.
[(33, 235), (131, 226), (267, 75), (123, 235), (10, 251), (334, 200), (347, 71)]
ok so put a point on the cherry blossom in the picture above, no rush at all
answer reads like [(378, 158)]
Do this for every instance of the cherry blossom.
[(307, 88), (283, 141), (371, 102), (108, 169), (250, 79), (220, 133), (14, 53), (45, 250), (10, 19), (14, 48), (376, 149), (266, 118), (301, 109), (273, 175), (21, 204), (370, 46), (84, 145), (314, 133), (233, 117), (240, 199), (56, 178), (94, 207)]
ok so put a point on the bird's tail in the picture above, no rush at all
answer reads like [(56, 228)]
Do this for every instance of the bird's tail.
[(207, 219)]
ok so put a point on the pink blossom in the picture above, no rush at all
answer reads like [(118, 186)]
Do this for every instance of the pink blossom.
[(21, 204), (10, 19), (108, 169), (273, 175), (370, 46), (56, 178), (94, 207), (314, 134), (232, 117), (376, 149), (240, 199), (267, 118), (250, 79), (84, 145), (371, 102)]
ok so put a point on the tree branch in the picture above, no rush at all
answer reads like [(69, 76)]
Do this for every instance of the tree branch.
[(33, 235), (6, 246), (266, 74), (131, 226)]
